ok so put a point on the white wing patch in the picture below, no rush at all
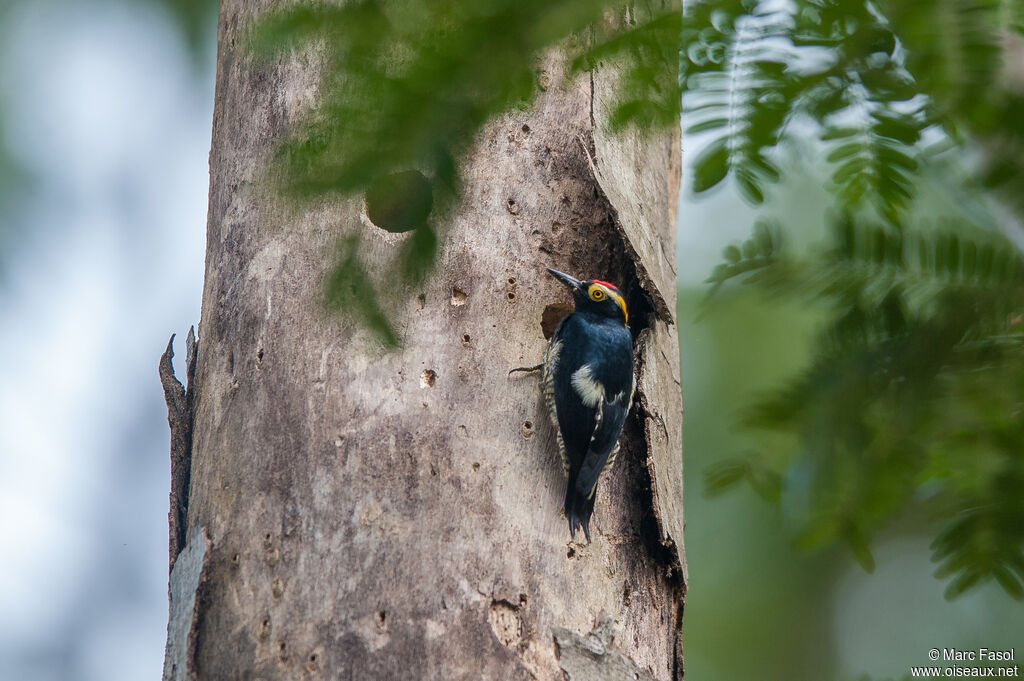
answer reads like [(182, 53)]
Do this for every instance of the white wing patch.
[(589, 389)]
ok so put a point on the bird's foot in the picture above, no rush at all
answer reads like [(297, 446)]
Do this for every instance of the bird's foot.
[(526, 369)]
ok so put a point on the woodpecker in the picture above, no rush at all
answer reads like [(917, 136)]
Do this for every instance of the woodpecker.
[(588, 386)]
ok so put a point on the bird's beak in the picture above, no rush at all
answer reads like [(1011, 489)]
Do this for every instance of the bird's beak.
[(571, 282)]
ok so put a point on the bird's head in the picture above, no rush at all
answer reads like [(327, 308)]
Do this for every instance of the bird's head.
[(596, 296)]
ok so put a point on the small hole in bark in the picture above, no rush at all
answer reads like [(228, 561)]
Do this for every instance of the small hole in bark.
[(511, 296), (259, 356), (399, 202), (458, 296), (433, 470), (421, 299), (428, 378), (234, 559), (551, 316), (264, 629), (465, 338), (571, 553), (277, 587), (512, 206), (526, 128), (382, 618), (527, 430), (522, 599), (476, 465), (512, 281)]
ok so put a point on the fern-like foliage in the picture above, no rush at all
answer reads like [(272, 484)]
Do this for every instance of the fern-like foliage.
[(737, 89), (879, 84), (916, 391), (406, 85)]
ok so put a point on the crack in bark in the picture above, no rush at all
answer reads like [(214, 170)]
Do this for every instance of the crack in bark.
[(665, 550), (180, 411), (648, 307), (655, 536), (646, 283)]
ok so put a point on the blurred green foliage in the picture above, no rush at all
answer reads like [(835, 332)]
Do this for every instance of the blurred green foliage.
[(914, 394), (882, 85), (197, 19), (406, 86)]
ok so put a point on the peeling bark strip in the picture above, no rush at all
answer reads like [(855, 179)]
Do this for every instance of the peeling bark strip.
[(590, 658), (187, 578), (179, 417), (398, 515)]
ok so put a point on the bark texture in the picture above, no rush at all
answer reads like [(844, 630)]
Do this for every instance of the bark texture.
[(397, 515), (179, 417)]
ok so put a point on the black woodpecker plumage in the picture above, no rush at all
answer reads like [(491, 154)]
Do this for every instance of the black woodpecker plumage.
[(588, 386)]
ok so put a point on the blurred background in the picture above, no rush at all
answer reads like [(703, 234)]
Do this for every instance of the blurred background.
[(105, 118), (105, 115)]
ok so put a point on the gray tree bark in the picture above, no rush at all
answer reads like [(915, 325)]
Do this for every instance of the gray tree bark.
[(360, 513)]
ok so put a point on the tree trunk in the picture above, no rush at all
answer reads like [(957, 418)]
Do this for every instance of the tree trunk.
[(360, 513)]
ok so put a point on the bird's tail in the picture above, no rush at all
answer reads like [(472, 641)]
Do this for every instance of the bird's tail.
[(578, 509)]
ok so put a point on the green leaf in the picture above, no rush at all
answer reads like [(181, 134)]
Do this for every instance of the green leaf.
[(709, 124), (723, 475), (748, 187), (711, 166)]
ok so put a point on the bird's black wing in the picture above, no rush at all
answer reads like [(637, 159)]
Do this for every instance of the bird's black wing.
[(611, 417)]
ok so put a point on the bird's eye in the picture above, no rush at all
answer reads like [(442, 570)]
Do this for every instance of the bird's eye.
[(597, 294)]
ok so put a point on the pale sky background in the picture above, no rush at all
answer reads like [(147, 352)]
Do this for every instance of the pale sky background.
[(111, 116), (106, 111)]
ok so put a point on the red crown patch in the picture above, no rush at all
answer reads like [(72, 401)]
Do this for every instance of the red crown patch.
[(605, 283)]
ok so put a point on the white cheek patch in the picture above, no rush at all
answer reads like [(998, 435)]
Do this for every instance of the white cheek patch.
[(591, 392)]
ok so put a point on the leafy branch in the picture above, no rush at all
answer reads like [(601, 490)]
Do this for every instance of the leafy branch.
[(916, 375)]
